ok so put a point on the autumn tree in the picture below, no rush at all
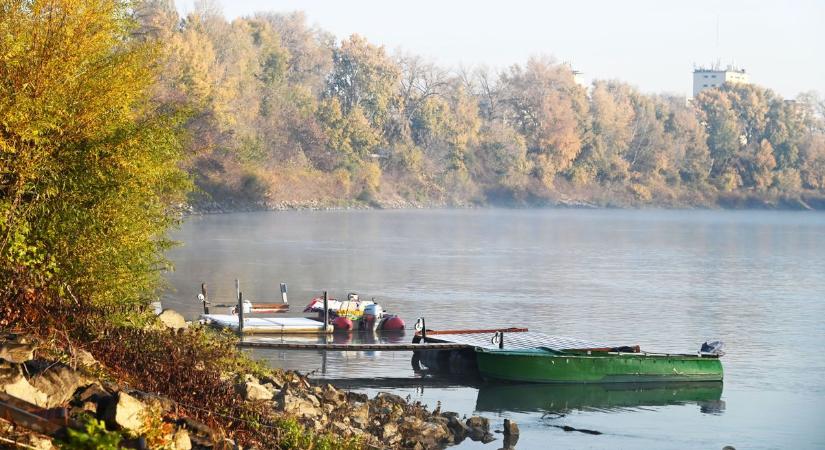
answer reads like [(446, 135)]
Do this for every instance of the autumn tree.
[(547, 107), (88, 161)]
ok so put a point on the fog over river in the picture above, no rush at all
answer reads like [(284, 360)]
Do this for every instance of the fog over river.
[(666, 280)]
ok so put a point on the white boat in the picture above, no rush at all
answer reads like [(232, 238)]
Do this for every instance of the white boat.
[(268, 325)]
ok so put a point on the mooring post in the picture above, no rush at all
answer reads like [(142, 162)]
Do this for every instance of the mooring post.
[(501, 340), (421, 327), (205, 299), (283, 293), (240, 313), (326, 310)]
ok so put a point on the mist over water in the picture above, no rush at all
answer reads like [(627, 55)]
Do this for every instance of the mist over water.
[(666, 280)]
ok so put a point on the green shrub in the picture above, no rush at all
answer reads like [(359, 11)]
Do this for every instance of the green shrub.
[(93, 436)]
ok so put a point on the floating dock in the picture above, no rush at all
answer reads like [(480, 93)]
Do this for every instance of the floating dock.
[(352, 347), (268, 325)]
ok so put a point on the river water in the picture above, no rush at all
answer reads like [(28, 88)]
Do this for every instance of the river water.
[(666, 280)]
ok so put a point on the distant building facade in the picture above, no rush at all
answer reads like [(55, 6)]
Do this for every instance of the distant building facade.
[(714, 77)]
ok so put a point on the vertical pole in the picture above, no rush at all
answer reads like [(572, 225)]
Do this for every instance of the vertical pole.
[(283, 293), (205, 299), (240, 313), (326, 311), (501, 339), (237, 288), (423, 331)]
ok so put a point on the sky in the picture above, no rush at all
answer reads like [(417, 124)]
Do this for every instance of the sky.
[(650, 44)]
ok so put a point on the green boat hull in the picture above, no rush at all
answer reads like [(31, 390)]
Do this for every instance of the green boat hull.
[(547, 366)]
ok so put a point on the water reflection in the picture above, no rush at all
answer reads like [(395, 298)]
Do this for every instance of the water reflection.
[(563, 398)]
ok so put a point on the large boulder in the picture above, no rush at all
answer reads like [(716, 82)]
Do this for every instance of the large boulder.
[(172, 319), (59, 383), (126, 412), (428, 434), (479, 429), (252, 390), (13, 382)]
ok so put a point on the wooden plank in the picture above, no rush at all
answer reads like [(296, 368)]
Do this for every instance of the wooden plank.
[(352, 347), (482, 331)]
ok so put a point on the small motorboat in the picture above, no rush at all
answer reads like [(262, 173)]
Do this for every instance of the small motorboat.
[(548, 365), (356, 314)]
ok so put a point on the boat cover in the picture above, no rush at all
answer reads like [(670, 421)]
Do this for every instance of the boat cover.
[(521, 340)]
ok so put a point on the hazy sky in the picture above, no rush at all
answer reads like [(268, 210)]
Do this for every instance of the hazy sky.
[(651, 44)]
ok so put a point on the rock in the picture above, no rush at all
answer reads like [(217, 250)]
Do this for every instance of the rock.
[(25, 391), (125, 412), (389, 433), (728, 447), (331, 395), (181, 441), (13, 382), (386, 397), (9, 373), (199, 433), (172, 319), (478, 427), (356, 397), (253, 391), (84, 358), (457, 427), (59, 383), (40, 443), (17, 350), (434, 434), (226, 444), (289, 402), (276, 382), (360, 415), (511, 433), (155, 402)]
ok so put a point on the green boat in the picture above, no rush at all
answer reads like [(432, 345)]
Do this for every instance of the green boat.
[(545, 365)]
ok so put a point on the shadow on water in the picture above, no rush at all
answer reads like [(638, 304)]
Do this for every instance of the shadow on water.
[(563, 398)]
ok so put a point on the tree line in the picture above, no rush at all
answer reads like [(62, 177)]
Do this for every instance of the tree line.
[(283, 111)]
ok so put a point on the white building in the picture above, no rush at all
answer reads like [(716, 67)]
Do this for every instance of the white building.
[(714, 77)]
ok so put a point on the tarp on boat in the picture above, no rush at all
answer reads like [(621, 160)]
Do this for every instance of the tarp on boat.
[(520, 340)]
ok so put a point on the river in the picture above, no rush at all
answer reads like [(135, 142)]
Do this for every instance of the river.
[(666, 280)]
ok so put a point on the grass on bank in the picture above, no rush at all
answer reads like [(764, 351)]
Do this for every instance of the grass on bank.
[(197, 369)]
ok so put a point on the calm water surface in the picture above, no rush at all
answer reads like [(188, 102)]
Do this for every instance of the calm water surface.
[(662, 279)]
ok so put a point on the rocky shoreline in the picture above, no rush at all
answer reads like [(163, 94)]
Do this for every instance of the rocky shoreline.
[(724, 202), (72, 390)]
